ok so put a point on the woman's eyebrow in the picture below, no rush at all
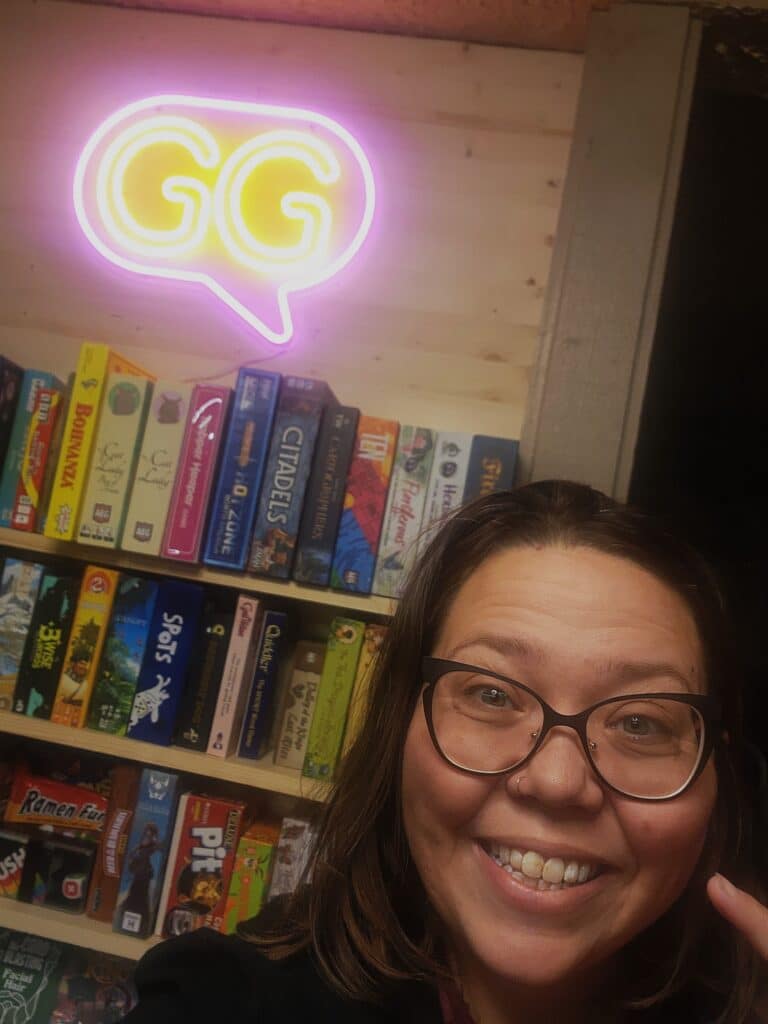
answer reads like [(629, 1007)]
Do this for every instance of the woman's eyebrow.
[(618, 672), (504, 645)]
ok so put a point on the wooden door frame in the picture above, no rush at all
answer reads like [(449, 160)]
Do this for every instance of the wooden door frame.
[(584, 406)]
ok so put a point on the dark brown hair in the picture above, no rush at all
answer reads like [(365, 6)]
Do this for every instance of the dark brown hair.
[(365, 915)]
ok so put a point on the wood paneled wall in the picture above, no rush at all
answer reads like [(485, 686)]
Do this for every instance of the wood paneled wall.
[(437, 320)]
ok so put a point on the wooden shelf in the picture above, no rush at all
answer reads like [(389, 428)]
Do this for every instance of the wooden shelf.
[(76, 929), (256, 774), (35, 543)]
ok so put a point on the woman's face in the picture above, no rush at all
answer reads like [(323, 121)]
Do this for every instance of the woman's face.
[(575, 625)]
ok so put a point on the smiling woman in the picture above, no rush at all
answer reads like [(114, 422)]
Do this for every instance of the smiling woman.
[(544, 786)]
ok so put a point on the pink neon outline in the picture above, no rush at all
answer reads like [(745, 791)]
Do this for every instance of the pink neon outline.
[(243, 107)]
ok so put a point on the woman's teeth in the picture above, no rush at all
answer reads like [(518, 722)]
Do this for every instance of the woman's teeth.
[(536, 872)]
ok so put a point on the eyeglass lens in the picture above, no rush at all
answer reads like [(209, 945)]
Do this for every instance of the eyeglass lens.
[(645, 747)]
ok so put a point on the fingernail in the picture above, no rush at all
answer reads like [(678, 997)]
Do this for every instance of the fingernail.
[(724, 885)]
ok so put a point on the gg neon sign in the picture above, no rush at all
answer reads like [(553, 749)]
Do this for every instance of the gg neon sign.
[(251, 200)]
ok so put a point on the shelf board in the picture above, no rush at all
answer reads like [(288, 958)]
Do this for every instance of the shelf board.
[(36, 543), (76, 929), (255, 774)]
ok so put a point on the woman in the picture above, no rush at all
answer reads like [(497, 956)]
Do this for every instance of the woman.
[(534, 818)]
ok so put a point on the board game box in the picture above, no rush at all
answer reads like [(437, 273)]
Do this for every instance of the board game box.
[(86, 640), (297, 422), (147, 853), (236, 677), (27, 505), (324, 498), (260, 704), (242, 467), (43, 657), (299, 705), (205, 426), (19, 586), (198, 702), (357, 544), (200, 863), (164, 668), (155, 474), (339, 669)]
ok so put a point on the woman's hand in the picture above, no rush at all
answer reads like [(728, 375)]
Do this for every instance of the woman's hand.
[(742, 910)]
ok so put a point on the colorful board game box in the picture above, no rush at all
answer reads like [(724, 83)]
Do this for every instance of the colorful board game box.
[(118, 673), (51, 803), (94, 988), (108, 867), (30, 969), (258, 720), (294, 848), (19, 586), (324, 498), (405, 509), (113, 460), (236, 677), (13, 852), (357, 544), (57, 873), (492, 462), (205, 426), (198, 702), (200, 864), (445, 491), (297, 422), (241, 469), (339, 669), (299, 705), (11, 377), (27, 505), (52, 458), (373, 640), (86, 640), (164, 668), (251, 875), (93, 365), (46, 645), (146, 855), (156, 468), (32, 382)]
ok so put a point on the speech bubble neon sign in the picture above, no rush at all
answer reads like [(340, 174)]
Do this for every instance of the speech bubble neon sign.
[(252, 200)]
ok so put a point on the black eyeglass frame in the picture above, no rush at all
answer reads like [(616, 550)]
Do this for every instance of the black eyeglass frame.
[(707, 706)]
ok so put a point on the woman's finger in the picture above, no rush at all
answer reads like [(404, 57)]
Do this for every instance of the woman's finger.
[(742, 910)]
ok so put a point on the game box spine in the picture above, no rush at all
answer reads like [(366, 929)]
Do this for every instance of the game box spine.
[(339, 669), (198, 702), (86, 641), (235, 680), (19, 587), (405, 509), (298, 705), (37, 446), (297, 422), (200, 865), (146, 853), (115, 451), (32, 382), (241, 470), (197, 466), (118, 673), (156, 468), (46, 645), (492, 463), (445, 491), (164, 667), (373, 640), (324, 498), (261, 701), (108, 866), (11, 376), (77, 439)]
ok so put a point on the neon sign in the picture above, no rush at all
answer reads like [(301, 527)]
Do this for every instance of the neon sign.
[(254, 201)]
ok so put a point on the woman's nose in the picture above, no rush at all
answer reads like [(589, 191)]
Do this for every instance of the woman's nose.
[(559, 774)]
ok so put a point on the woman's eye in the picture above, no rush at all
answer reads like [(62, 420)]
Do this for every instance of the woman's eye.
[(493, 697), (640, 725)]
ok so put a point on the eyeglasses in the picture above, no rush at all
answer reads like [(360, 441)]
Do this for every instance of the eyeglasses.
[(649, 746)]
